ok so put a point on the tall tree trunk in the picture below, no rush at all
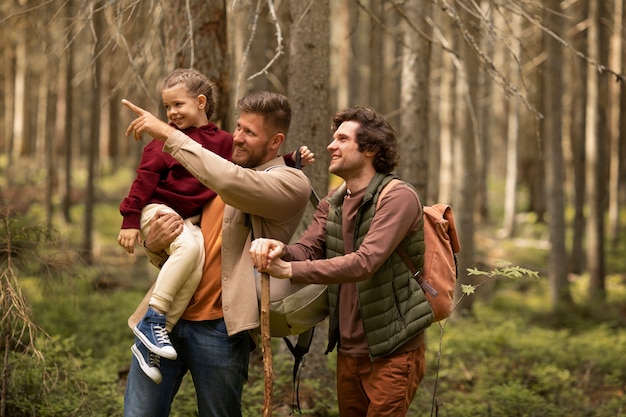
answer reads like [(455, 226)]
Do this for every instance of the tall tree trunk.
[(465, 145), (615, 61), (341, 62), (308, 80), (595, 216), (211, 42), (113, 109), (44, 146), (445, 109), (238, 58), (375, 65), (16, 146), (361, 55), (484, 114), (512, 137), (307, 87), (622, 123), (415, 94), (552, 138), (390, 82), (97, 16), (104, 135), (66, 135), (577, 72), (8, 78), (51, 182), (41, 117)]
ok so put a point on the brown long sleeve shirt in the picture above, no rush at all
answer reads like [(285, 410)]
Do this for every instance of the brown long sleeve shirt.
[(397, 215)]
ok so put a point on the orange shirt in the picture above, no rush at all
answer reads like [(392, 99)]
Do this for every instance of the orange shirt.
[(206, 303)]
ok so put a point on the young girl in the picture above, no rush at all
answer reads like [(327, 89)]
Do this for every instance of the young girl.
[(163, 184)]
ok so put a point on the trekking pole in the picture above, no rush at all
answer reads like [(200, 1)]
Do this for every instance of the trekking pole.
[(266, 344)]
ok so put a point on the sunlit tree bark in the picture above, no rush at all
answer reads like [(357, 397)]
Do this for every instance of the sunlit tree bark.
[(340, 50), (445, 107), (595, 214), (7, 83), (361, 37), (577, 70), (64, 138), (307, 87), (615, 89), (19, 122), (512, 136), (415, 94), (552, 93), (97, 17), (484, 113)]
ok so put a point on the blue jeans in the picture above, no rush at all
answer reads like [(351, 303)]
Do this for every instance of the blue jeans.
[(218, 365)]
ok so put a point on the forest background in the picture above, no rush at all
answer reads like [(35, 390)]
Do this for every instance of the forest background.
[(512, 112)]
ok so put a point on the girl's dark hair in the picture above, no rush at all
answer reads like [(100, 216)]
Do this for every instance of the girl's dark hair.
[(196, 84), (274, 107), (375, 134)]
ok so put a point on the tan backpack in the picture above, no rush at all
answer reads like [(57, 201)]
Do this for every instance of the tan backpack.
[(439, 274)]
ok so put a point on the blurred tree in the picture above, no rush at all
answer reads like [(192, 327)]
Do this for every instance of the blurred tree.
[(64, 134), (552, 109), (575, 132), (443, 171), (593, 161), (512, 132), (465, 141), (616, 46), (308, 87), (414, 131), (97, 22), (484, 112)]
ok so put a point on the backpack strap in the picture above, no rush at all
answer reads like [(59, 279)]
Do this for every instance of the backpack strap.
[(298, 351), (314, 198), (417, 274)]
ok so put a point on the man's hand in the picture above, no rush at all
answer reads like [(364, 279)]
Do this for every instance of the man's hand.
[(127, 239), (266, 255), (307, 156), (164, 228), (146, 122)]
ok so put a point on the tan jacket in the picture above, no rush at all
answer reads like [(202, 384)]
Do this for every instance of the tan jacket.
[(275, 197)]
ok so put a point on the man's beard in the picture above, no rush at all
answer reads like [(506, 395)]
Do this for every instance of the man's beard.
[(250, 159)]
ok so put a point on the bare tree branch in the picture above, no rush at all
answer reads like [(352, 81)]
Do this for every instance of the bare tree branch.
[(246, 51), (190, 34), (279, 39)]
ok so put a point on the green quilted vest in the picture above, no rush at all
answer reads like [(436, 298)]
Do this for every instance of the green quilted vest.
[(393, 306)]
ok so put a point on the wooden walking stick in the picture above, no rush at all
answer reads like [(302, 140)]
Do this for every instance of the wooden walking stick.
[(266, 344)]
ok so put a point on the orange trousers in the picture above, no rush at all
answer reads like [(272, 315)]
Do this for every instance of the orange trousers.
[(384, 387)]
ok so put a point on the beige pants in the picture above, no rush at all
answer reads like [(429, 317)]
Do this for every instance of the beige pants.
[(180, 274)]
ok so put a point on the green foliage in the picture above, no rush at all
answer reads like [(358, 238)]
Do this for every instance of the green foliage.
[(505, 271), (20, 240), (48, 386), (505, 361)]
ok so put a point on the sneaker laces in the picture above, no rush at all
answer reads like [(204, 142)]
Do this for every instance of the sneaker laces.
[(154, 359), (160, 333)]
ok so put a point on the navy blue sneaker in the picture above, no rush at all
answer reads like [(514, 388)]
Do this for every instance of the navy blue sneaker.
[(152, 333), (149, 362)]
